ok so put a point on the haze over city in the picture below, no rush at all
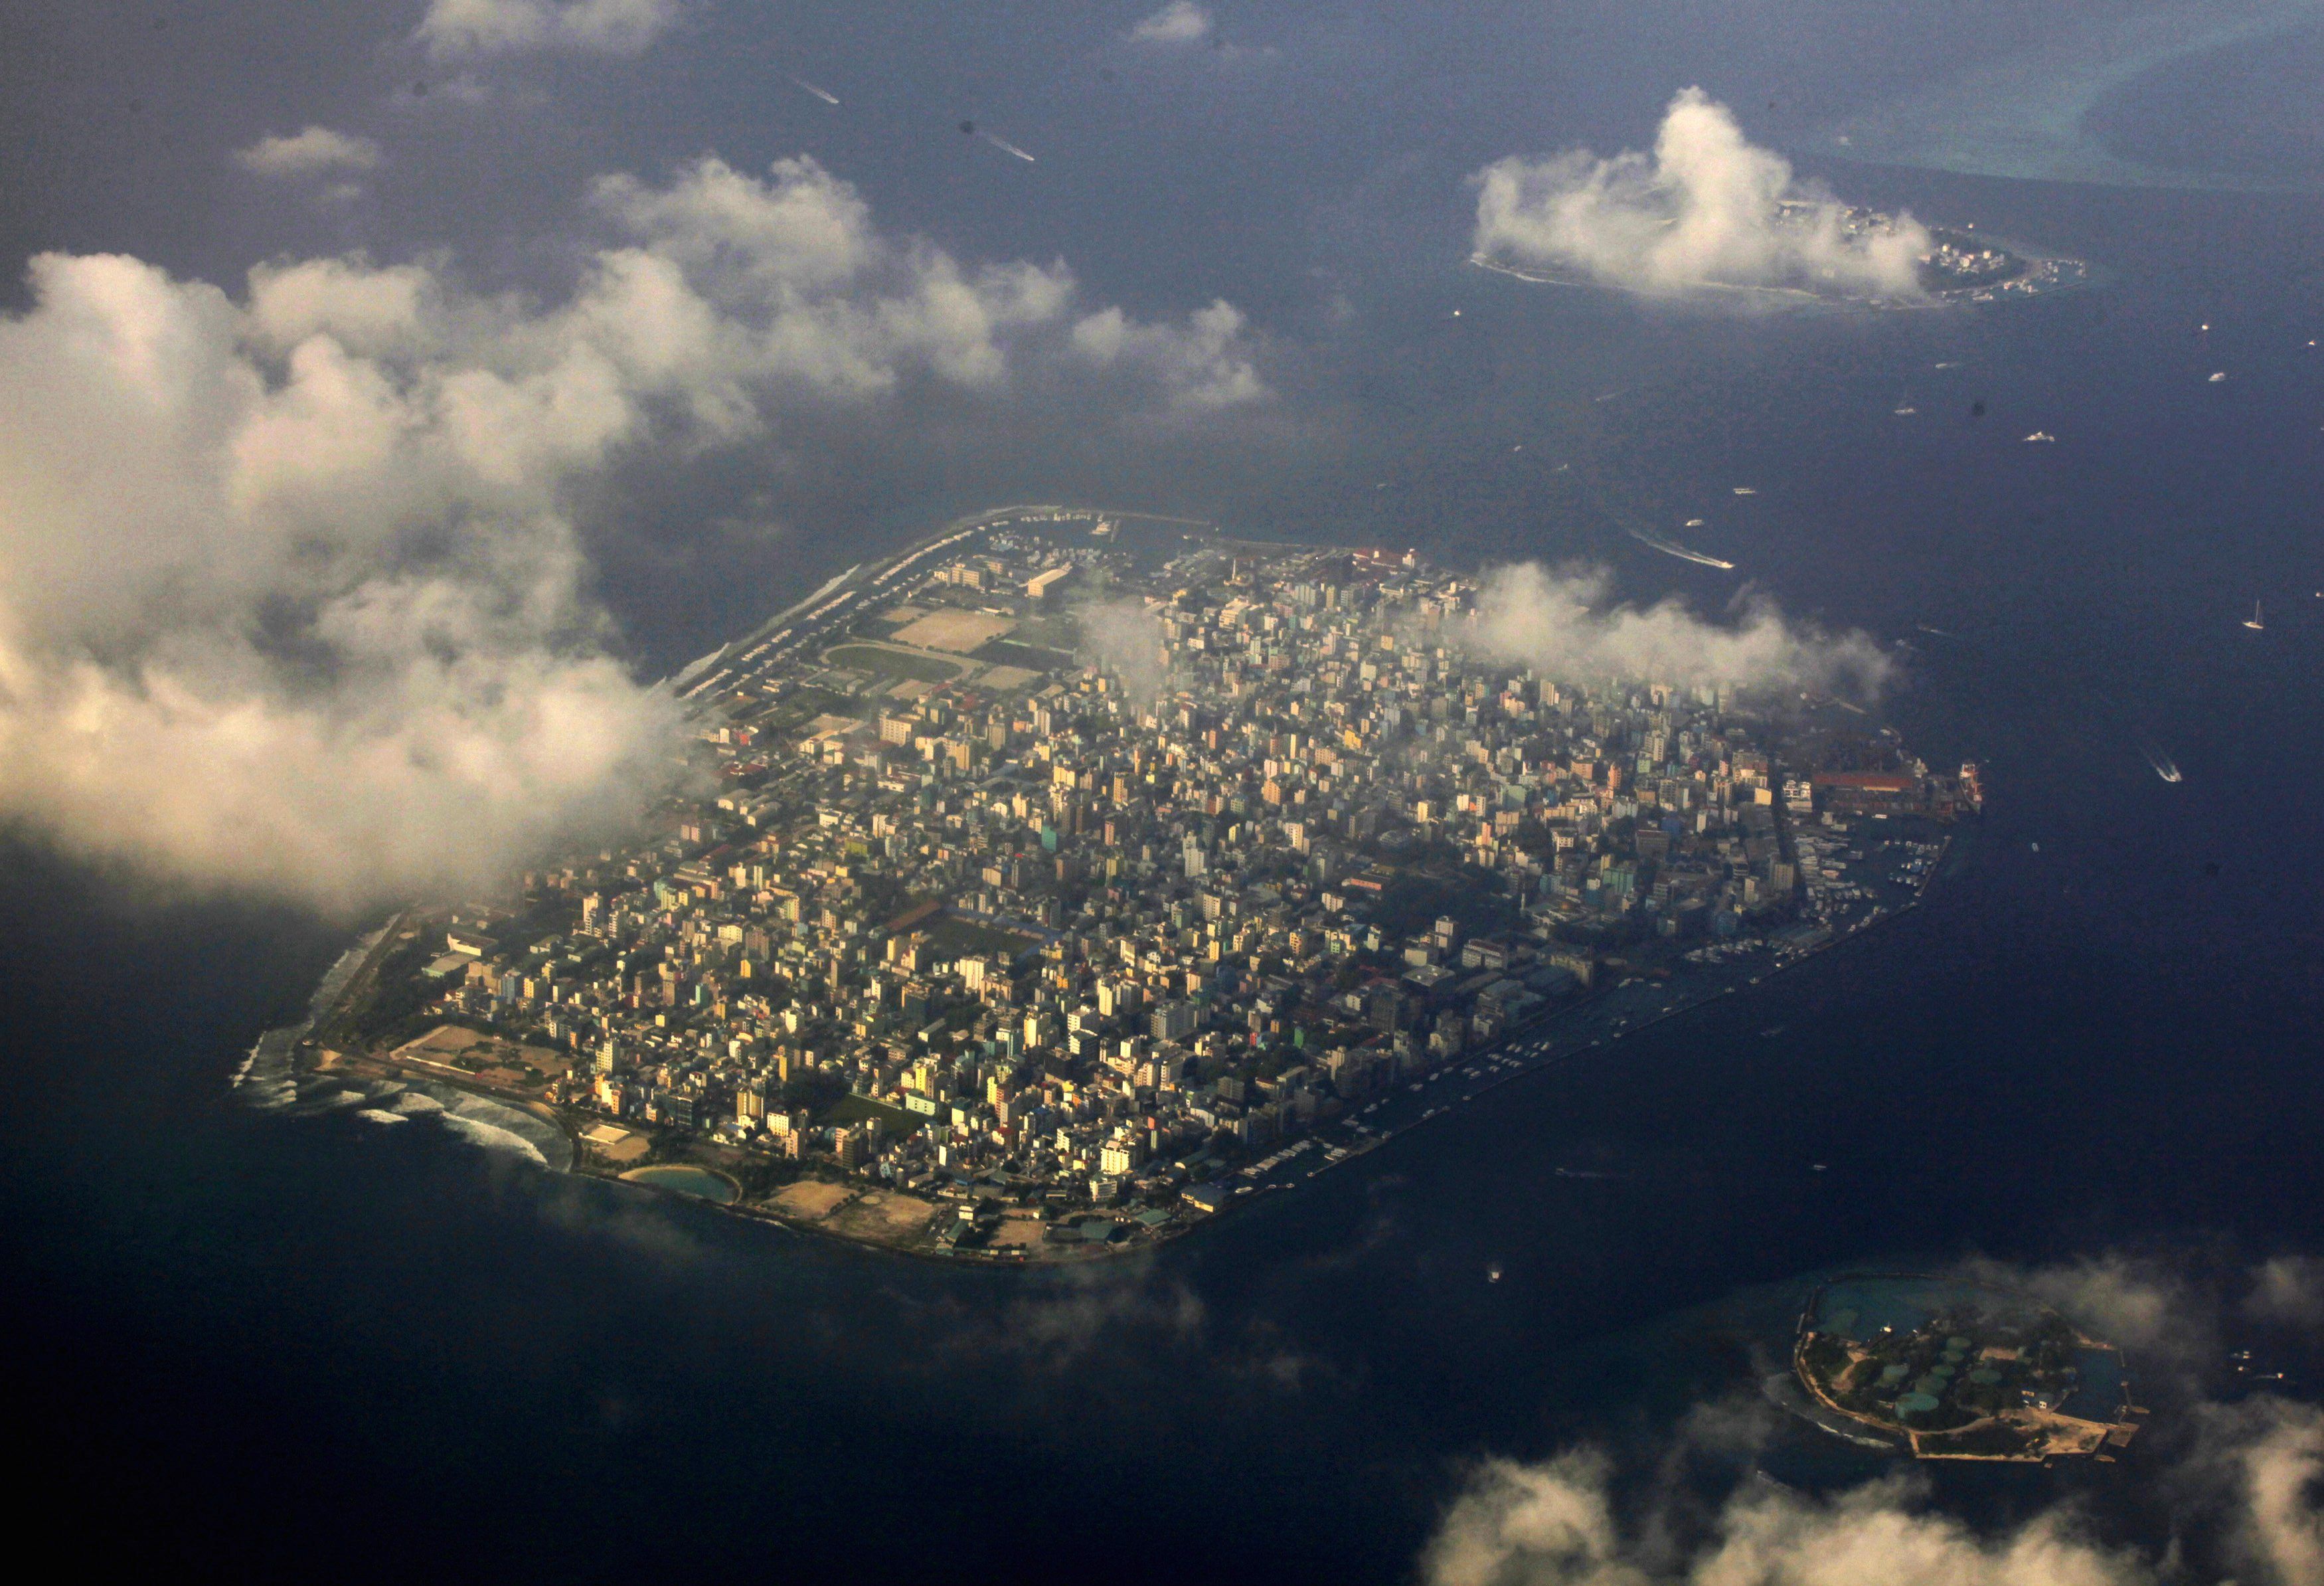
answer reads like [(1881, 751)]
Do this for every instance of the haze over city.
[(1429, 793)]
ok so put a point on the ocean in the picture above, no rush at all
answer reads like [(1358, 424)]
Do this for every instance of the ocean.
[(293, 1345)]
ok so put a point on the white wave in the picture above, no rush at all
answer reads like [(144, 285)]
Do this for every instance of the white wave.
[(329, 1100), (492, 1136), (374, 1115)]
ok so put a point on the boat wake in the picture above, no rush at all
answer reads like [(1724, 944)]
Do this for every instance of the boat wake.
[(2165, 766), (1671, 547)]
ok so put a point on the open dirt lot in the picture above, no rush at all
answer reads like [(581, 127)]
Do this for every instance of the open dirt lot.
[(883, 1215), (958, 631), (446, 1040), (1018, 1231), (810, 1198)]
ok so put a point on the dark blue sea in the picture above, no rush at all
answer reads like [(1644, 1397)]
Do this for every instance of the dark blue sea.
[(293, 1347)]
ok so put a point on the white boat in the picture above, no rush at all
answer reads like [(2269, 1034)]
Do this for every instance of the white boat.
[(1696, 523), (1745, 490), (2256, 622), (2222, 375), (1904, 408), (2041, 435)]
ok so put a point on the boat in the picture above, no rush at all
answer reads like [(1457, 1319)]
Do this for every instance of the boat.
[(1745, 490), (1492, 1275), (1904, 408), (1696, 523), (2256, 622), (2217, 377), (2041, 435)]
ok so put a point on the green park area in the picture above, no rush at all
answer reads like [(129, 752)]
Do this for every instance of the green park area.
[(883, 663)]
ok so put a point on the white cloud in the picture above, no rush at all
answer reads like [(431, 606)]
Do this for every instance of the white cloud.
[(268, 625), (1181, 22), (1203, 364), (2288, 1290), (1559, 1524), (1563, 623), (801, 227), (1706, 208), (1125, 639), (503, 27), (316, 151), (291, 597), (2275, 1452), (800, 287), (2238, 1485)]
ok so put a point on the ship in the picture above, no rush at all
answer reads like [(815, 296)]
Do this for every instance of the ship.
[(2041, 435), (1904, 408), (2222, 375), (1696, 523), (1745, 490), (2256, 621)]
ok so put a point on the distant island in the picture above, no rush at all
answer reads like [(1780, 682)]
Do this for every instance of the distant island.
[(1073, 876), (1956, 1370), (1959, 267)]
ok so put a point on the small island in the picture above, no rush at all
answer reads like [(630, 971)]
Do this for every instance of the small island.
[(1955, 1369), (1960, 266)]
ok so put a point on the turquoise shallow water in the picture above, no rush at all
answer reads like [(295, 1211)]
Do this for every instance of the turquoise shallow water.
[(2099, 1397), (698, 1181), (1859, 1307)]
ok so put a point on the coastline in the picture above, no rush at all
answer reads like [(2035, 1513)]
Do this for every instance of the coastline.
[(1530, 1049), (2052, 1433), (1321, 1142), (1799, 298)]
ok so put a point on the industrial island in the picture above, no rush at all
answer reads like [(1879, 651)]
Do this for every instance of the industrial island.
[(1959, 267), (1073, 876), (1951, 1370)]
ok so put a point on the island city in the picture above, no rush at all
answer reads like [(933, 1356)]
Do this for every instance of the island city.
[(1074, 876)]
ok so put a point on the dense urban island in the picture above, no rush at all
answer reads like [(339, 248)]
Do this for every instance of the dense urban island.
[(1071, 876)]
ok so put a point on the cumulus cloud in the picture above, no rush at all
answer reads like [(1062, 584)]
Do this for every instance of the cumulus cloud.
[(1123, 638), (2277, 1450), (1705, 208), (291, 593), (1562, 621), (733, 277), (1181, 22), (1556, 1524), (1569, 1522), (2289, 1290), (316, 151), (1203, 364), (454, 28), (2240, 1486), (281, 621)]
